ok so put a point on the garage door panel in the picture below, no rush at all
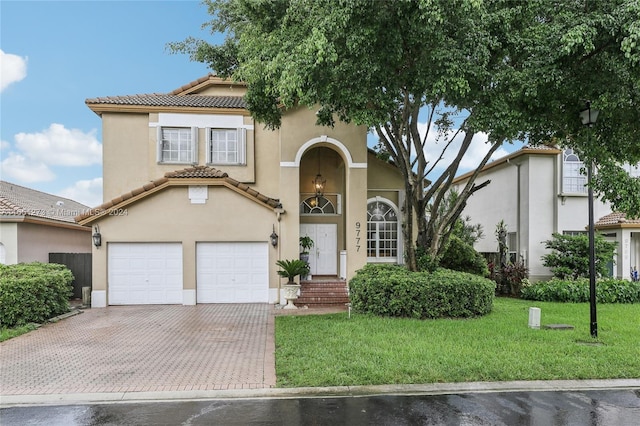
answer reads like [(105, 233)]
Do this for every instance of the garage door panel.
[(145, 273), (232, 272)]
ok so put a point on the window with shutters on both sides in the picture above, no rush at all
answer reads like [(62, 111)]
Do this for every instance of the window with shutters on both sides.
[(226, 146), (177, 145)]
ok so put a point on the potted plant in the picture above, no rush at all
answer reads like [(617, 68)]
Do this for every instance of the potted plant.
[(290, 269), (306, 243)]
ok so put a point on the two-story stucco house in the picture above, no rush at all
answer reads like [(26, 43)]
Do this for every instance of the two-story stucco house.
[(200, 201), (538, 191)]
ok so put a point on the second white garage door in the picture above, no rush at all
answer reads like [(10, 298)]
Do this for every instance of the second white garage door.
[(232, 272)]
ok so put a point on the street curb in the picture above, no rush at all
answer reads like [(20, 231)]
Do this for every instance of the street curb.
[(319, 392)]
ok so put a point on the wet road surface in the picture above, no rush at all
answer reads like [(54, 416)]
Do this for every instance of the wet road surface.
[(594, 408)]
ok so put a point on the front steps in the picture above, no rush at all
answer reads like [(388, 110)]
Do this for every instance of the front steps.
[(323, 293)]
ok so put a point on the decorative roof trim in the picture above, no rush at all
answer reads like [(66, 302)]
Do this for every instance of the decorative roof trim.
[(525, 150), (617, 220), (100, 108), (209, 176), (205, 81)]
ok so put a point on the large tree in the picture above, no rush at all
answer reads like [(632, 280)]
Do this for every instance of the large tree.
[(511, 68)]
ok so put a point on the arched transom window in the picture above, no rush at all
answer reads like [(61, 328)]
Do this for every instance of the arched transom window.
[(382, 232), (317, 205)]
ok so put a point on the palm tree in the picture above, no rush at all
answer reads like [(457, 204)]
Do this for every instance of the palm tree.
[(292, 268)]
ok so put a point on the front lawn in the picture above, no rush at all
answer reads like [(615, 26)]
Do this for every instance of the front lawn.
[(334, 350)]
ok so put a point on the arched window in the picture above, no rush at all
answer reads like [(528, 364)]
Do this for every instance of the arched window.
[(317, 205), (382, 232), (573, 180)]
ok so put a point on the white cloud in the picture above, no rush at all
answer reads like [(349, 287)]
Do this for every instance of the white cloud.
[(13, 68), (4, 145), (23, 169), (87, 192), (60, 146)]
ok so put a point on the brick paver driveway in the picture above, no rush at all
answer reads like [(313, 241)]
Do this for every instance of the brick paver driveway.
[(144, 348)]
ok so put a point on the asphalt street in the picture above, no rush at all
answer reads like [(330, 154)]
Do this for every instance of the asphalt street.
[(548, 408)]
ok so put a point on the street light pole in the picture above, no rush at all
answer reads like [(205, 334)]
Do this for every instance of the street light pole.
[(589, 117)]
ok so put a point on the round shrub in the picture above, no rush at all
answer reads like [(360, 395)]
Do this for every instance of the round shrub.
[(608, 290), (462, 257), (390, 290), (33, 292)]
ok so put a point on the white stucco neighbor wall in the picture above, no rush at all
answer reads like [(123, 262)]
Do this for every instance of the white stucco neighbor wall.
[(9, 239)]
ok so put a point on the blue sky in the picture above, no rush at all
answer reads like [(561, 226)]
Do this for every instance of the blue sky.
[(56, 54)]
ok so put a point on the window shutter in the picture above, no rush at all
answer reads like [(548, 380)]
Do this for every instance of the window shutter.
[(209, 142), (194, 145), (242, 143), (159, 143)]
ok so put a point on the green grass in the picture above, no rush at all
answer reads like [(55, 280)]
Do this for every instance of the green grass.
[(334, 350), (8, 333)]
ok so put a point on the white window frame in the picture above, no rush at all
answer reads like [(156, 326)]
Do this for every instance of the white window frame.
[(240, 151), (573, 180), (398, 233), (191, 150)]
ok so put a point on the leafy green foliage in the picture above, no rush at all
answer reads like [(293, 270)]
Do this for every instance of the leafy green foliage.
[(570, 255), (608, 290), (33, 292), (390, 290), (292, 268), (461, 256), (509, 277)]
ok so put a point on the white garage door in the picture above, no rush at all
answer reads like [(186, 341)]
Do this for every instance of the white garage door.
[(145, 273), (232, 272)]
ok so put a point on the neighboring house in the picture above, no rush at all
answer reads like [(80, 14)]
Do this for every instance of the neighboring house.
[(196, 194), (34, 224), (538, 191)]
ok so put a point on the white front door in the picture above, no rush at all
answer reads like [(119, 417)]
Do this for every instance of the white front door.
[(232, 272), (323, 256), (144, 273)]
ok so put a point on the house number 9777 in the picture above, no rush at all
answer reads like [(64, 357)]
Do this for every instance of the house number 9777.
[(358, 236)]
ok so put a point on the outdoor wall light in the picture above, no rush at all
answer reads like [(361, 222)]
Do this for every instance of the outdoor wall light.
[(274, 237), (97, 238)]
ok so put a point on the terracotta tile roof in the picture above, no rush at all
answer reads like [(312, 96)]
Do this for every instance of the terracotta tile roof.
[(180, 97), (616, 218), (162, 100), (173, 178), (197, 172), (18, 201)]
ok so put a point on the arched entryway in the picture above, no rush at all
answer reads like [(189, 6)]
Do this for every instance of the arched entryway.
[(322, 188)]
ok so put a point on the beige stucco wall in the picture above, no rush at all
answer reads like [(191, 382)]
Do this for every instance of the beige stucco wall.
[(34, 242), (125, 152), (168, 216)]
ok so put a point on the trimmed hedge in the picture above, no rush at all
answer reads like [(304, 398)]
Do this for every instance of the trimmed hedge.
[(33, 292), (608, 290), (394, 291)]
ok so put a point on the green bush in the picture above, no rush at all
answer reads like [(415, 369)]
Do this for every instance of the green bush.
[(33, 292), (462, 257), (608, 290), (390, 290)]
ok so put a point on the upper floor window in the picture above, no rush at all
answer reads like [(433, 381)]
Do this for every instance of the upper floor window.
[(177, 145), (573, 180), (226, 146)]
